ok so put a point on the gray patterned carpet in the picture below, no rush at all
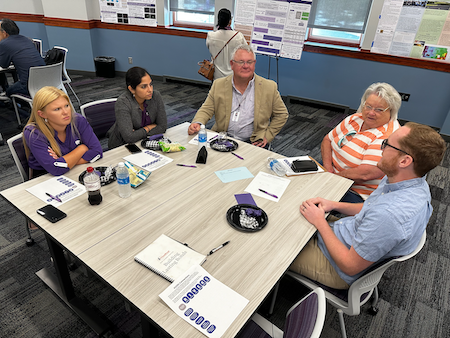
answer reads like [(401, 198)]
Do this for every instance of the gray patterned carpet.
[(414, 300)]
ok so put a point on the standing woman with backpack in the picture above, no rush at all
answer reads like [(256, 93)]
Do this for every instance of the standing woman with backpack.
[(226, 38)]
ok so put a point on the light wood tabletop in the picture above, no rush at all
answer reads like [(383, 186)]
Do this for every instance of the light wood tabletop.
[(189, 205)]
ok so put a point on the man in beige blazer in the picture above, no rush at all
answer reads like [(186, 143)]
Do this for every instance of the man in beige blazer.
[(244, 104)]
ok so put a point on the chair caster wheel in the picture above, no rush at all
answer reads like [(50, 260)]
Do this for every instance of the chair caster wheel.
[(30, 241), (373, 310)]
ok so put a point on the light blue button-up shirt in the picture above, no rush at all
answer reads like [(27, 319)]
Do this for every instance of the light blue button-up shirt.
[(391, 223), (242, 110)]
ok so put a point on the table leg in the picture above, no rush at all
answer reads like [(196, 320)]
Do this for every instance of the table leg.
[(61, 285)]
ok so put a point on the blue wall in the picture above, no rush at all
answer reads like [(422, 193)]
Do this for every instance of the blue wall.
[(320, 77)]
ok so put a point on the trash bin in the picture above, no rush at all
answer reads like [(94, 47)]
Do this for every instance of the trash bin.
[(105, 66)]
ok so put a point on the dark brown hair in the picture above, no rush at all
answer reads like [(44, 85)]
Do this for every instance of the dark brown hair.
[(425, 145)]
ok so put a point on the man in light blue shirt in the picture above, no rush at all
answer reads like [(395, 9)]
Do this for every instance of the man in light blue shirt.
[(389, 223)]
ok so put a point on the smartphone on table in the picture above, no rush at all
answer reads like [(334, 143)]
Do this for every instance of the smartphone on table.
[(51, 213), (133, 148)]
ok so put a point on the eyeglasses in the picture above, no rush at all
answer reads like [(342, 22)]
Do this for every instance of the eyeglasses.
[(241, 63), (385, 144), (344, 139), (376, 110)]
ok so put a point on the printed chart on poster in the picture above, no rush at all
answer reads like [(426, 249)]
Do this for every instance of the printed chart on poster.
[(137, 12), (417, 29), (274, 28)]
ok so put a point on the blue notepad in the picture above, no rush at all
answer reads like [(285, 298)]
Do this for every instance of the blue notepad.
[(234, 174)]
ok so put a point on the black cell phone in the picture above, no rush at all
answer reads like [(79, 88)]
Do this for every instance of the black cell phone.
[(302, 166), (51, 213), (133, 148)]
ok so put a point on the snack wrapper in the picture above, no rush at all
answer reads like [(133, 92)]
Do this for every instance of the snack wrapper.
[(137, 175), (170, 147)]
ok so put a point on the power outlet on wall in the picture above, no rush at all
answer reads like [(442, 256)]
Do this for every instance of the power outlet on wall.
[(130, 60), (405, 97)]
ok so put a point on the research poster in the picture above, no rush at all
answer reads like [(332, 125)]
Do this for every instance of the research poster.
[(138, 12), (276, 28), (418, 29)]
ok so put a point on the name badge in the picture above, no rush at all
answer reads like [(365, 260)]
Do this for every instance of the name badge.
[(60, 164), (235, 116)]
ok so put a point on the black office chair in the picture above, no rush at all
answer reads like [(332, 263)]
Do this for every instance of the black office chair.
[(100, 115)]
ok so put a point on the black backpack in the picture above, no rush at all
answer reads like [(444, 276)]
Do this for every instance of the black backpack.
[(53, 56)]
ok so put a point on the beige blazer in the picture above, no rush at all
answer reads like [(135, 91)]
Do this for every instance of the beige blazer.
[(270, 112)]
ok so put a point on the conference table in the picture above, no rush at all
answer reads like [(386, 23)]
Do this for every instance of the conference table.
[(189, 205)]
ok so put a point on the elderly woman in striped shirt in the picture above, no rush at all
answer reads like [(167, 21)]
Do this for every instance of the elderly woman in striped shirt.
[(353, 148)]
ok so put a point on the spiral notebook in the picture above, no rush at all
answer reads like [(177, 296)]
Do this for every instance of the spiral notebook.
[(169, 258)]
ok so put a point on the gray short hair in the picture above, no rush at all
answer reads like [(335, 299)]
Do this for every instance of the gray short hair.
[(245, 47), (387, 93)]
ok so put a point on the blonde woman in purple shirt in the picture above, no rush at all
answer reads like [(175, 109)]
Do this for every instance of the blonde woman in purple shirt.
[(55, 138)]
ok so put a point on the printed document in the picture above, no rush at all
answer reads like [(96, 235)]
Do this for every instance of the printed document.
[(57, 188), (204, 302)]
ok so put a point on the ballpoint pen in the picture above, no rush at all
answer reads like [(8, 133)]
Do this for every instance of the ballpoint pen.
[(268, 193), (219, 247), (54, 197), (237, 156), (185, 165), (212, 138)]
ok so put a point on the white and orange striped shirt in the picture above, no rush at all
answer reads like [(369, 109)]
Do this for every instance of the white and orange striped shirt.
[(358, 148)]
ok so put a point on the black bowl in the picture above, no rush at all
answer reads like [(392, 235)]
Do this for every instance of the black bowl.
[(216, 145), (233, 217)]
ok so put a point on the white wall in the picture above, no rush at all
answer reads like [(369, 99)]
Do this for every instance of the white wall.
[(22, 6), (68, 9)]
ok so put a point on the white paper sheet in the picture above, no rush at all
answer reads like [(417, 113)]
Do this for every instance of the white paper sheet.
[(211, 135), (271, 184), (148, 160), (204, 302), (287, 162), (61, 187)]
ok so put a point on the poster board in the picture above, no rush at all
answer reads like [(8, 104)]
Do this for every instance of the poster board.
[(137, 12), (276, 28), (418, 29)]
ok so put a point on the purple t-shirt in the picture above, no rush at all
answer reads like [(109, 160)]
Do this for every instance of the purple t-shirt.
[(38, 144)]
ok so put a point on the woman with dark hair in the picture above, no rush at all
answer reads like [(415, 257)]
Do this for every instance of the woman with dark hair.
[(216, 40), (139, 110)]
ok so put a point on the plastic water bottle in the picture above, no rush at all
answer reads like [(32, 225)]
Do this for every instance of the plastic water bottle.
[(202, 137), (276, 166), (92, 183), (123, 180)]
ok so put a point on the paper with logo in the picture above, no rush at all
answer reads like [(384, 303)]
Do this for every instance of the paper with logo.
[(148, 160), (169, 258), (268, 186), (57, 190), (204, 302)]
